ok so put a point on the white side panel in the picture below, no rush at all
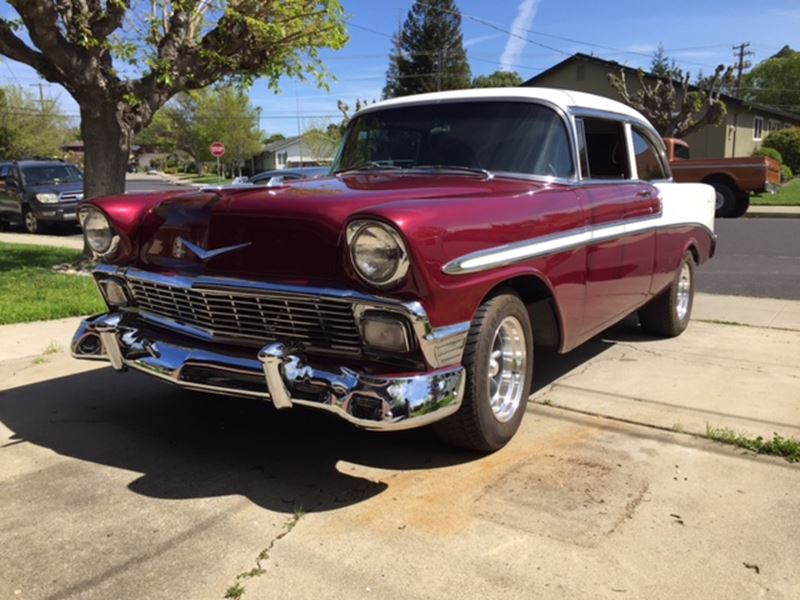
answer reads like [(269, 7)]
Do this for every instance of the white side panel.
[(686, 203)]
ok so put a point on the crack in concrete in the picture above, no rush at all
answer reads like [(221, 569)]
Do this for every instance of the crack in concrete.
[(237, 589)]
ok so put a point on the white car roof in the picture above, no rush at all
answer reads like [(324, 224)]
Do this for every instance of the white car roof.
[(564, 99)]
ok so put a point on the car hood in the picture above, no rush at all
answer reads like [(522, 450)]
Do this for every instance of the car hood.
[(292, 232)]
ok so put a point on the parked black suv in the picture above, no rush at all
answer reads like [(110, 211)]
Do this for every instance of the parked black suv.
[(34, 193)]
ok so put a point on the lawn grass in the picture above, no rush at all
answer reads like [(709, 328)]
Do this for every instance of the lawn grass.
[(788, 448), (789, 195), (30, 291)]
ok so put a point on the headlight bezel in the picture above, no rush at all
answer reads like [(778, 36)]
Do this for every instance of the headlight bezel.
[(89, 211), (47, 198), (355, 229)]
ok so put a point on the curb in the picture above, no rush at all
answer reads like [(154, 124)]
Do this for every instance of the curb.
[(772, 215)]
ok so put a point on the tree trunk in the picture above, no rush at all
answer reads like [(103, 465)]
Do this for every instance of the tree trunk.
[(106, 144)]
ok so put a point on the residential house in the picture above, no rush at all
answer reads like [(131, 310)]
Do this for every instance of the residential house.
[(308, 150), (741, 132)]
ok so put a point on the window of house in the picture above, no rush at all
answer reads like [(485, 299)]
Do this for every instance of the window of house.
[(648, 162), (606, 150), (758, 128), (774, 125)]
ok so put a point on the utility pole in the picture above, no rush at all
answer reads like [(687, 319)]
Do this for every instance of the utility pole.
[(41, 87), (439, 65), (741, 52)]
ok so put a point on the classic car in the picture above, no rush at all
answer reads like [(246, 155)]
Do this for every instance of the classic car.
[(456, 231), (733, 179)]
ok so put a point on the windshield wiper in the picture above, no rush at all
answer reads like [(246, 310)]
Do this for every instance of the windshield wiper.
[(454, 168), (369, 165)]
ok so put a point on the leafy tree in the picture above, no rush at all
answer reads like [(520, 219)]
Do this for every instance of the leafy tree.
[(776, 81), (673, 106), (429, 53), (662, 65), (170, 46), (28, 128), (787, 142), (275, 137), (189, 123), (498, 79)]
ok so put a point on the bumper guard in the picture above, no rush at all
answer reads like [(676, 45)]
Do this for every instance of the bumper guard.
[(379, 402)]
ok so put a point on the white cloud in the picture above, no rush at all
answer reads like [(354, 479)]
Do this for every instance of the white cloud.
[(480, 39), (515, 45)]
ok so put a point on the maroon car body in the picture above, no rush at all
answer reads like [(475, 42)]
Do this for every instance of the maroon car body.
[(580, 252)]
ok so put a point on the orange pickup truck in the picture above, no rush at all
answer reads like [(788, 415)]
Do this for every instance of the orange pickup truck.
[(734, 179)]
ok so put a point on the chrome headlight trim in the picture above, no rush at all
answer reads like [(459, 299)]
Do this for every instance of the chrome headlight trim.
[(86, 212), (357, 228)]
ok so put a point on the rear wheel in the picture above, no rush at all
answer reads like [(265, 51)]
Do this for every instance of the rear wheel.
[(668, 313), (742, 204), (498, 359), (725, 204)]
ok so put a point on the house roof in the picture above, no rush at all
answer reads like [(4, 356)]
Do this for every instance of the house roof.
[(613, 65), (281, 144)]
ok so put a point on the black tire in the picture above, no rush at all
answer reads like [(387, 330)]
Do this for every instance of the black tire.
[(29, 221), (742, 204), (475, 425), (666, 315), (726, 199)]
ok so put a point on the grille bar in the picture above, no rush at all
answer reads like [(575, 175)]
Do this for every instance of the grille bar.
[(322, 323)]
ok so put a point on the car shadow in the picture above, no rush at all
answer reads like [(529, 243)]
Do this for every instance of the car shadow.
[(193, 445)]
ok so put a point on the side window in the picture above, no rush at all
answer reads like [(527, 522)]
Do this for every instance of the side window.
[(606, 149), (648, 163), (3, 173)]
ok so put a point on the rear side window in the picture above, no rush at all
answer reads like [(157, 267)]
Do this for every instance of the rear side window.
[(648, 163), (606, 149), (681, 151)]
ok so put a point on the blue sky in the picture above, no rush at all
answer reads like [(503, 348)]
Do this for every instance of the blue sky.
[(698, 34)]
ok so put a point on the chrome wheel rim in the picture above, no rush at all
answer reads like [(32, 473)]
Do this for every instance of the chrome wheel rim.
[(30, 222), (684, 291), (719, 201), (507, 369)]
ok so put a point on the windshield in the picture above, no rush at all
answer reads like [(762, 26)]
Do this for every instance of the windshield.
[(497, 136), (45, 174)]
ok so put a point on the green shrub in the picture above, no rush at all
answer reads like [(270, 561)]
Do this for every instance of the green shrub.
[(786, 173), (787, 142), (770, 153)]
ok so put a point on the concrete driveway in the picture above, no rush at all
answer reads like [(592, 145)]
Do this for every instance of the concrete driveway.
[(117, 486)]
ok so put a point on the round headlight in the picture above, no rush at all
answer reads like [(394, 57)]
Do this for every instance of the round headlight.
[(97, 230), (378, 252)]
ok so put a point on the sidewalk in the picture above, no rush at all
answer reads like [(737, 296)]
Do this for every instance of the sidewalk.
[(54, 241), (773, 212)]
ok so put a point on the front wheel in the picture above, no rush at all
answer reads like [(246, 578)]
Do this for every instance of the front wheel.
[(668, 313), (30, 222), (498, 358)]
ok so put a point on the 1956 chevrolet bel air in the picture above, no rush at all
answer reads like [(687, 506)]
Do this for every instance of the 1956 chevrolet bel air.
[(409, 287)]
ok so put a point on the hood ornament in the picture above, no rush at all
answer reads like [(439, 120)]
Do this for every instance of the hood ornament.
[(178, 249)]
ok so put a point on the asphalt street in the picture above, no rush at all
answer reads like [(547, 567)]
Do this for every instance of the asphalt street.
[(755, 257)]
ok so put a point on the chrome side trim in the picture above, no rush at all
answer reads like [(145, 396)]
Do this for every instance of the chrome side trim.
[(501, 256)]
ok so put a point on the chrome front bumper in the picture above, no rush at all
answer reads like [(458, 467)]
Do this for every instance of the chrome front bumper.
[(380, 402)]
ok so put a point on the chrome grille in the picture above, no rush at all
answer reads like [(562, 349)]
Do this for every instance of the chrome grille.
[(71, 196), (322, 323)]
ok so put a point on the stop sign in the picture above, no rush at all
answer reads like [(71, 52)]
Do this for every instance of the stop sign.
[(217, 149)]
